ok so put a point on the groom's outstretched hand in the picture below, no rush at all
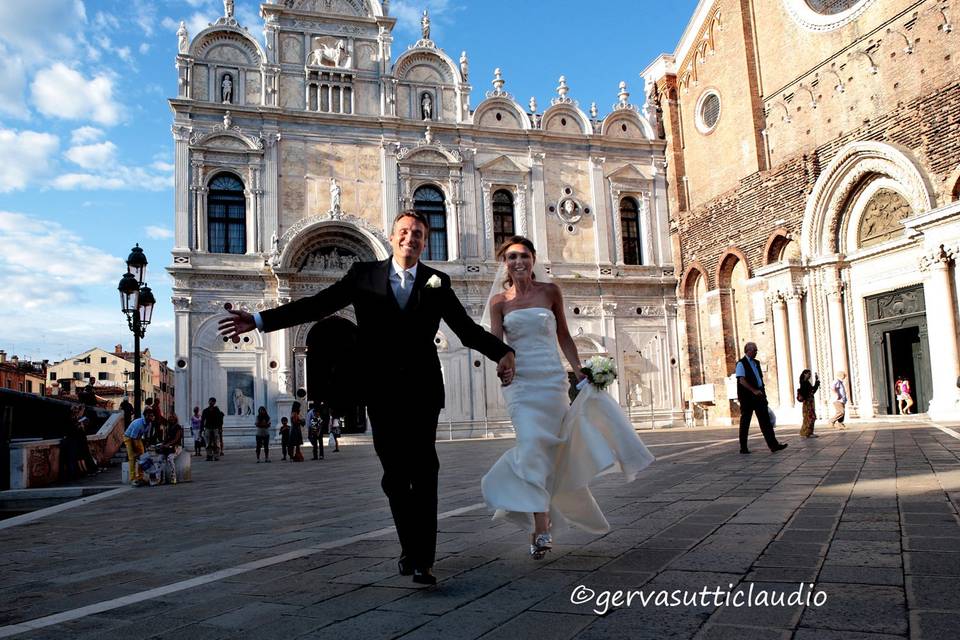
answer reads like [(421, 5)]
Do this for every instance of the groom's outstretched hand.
[(506, 368), (238, 322)]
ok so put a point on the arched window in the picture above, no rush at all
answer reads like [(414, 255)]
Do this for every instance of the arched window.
[(630, 229), (502, 217), (428, 200), (226, 215)]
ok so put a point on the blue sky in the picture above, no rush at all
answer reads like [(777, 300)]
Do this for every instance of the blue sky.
[(85, 128)]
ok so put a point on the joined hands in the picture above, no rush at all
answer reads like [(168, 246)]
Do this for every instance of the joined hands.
[(506, 368)]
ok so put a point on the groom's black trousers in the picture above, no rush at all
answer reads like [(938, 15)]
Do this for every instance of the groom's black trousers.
[(404, 437)]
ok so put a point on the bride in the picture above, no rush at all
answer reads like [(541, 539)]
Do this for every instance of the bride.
[(543, 481)]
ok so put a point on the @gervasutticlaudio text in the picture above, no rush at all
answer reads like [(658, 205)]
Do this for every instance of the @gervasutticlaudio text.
[(745, 595)]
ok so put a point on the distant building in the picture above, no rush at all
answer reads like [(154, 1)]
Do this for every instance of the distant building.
[(814, 186), (293, 159), (22, 375)]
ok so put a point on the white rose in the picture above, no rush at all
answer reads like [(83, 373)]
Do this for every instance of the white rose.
[(433, 282)]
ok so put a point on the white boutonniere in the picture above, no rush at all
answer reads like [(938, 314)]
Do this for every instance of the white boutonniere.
[(433, 282)]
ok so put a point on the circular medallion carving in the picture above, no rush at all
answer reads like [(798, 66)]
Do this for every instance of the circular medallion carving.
[(826, 15)]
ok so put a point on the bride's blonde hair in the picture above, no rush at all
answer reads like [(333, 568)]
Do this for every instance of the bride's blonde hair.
[(502, 252)]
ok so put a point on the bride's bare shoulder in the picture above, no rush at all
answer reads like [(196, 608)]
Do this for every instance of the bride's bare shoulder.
[(498, 299)]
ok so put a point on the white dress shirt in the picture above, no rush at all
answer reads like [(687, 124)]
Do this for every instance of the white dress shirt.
[(395, 280)]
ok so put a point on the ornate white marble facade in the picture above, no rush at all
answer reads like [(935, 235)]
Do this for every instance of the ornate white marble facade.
[(331, 135)]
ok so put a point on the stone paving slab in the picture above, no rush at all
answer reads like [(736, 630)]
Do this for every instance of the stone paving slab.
[(867, 516)]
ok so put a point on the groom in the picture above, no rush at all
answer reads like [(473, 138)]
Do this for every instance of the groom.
[(399, 303)]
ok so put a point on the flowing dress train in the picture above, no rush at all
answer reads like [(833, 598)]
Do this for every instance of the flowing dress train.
[(560, 447)]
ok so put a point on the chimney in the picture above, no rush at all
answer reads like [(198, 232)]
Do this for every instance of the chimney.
[(3, 357), (15, 360)]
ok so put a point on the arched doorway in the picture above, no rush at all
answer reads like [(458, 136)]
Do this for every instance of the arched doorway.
[(334, 373)]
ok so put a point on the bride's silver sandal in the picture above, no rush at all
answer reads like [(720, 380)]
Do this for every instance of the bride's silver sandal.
[(542, 543)]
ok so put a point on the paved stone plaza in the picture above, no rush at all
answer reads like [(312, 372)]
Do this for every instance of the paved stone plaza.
[(306, 550)]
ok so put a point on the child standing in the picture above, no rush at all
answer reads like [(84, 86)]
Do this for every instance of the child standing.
[(284, 436), (263, 434), (335, 427), (196, 431)]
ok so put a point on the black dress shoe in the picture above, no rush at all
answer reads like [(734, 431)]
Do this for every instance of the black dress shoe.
[(424, 576), (744, 450), (404, 566), (779, 447)]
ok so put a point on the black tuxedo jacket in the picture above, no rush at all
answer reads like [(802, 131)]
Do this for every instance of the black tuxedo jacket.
[(398, 356)]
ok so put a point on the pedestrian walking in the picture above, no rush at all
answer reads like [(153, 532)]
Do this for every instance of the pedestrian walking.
[(753, 399), (284, 437), (133, 441), (171, 447), (839, 390), (904, 396), (263, 434), (212, 420), (336, 424), (805, 394), (296, 433), (196, 431), (313, 432)]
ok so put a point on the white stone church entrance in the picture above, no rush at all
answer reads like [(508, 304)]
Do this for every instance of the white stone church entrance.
[(897, 328)]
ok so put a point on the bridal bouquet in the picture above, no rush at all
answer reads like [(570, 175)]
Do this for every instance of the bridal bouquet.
[(600, 371)]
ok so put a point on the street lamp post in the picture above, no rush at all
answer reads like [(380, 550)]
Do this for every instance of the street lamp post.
[(136, 301)]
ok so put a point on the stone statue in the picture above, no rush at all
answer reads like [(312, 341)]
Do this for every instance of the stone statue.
[(464, 65), (327, 56), (183, 39), (226, 89), (334, 195), (425, 25), (228, 8), (426, 107), (275, 249), (386, 7), (532, 104), (428, 136), (569, 208), (637, 395), (593, 110)]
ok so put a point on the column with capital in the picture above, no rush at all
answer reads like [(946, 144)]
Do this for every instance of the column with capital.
[(539, 207), (601, 213), (798, 347), (838, 331), (782, 347), (942, 330)]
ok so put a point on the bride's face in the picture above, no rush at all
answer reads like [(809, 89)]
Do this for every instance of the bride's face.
[(519, 262)]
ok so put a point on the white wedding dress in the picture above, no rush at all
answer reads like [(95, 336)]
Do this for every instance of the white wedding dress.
[(560, 447)]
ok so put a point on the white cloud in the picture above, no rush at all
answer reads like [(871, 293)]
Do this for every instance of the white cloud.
[(409, 12), (170, 24), (198, 22), (158, 233), (105, 21), (13, 85), (29, 158), (160, 165), (124, 54), (143, 48), (43, 29), (62, 92), (42, 256), (89, 181), (145, 15), (114, 178), (85, 134), (92, 156)]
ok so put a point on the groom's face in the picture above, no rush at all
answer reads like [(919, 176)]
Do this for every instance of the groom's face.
[(407, 240)]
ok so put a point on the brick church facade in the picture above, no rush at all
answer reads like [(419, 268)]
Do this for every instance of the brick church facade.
[(813, 165)]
